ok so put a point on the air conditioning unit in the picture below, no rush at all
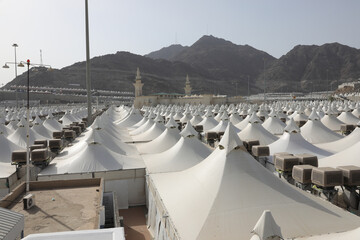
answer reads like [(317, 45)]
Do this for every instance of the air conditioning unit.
[(29, 201)]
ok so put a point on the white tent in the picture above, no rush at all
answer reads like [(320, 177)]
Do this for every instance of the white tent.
[(349, 156), (352, 234), (6, 149), (347, 117), (19, 137), (342, 144), (43, 131), (255, 131), (315, 132), (208, 123), (153, 132), (187, 152), (131, 119), (294, 143), (5, 130), (52, 125), (163, 142), (223, 197), (274, 125), (143, 128)]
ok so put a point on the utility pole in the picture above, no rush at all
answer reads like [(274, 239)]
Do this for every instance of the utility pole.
[(264, 83), (88, 80)]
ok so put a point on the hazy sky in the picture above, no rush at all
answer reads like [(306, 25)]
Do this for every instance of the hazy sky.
[(141, 26)]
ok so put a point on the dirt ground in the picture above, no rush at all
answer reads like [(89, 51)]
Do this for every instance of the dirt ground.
[(135, 223), (60, 210)]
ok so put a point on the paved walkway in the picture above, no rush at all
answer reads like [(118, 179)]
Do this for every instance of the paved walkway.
[(135, 223)]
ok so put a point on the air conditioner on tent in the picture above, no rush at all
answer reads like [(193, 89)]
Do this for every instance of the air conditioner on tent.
[(29, 201)]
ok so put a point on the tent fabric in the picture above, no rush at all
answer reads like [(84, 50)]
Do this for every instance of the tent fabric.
[(230, 190), (266, 226), (92, 157), (187, 152), (352, 234), (43, 131), (6, 169), (153, 132), (294, 143), (348, 118), (331, 122), (131, 119), (19, 137), (316, 132), (208, 123), (274, 125), (255, 131), (349, 156), (143, 128), (52, 125), (163, 142), (343, 143), (6, 149)]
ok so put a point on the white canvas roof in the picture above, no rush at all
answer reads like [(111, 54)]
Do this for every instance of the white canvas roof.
[(349, 156), (352, 234), (187, 152), (43, 131), (223, 197), (103, 234), (6, 169), (274, 125), (153, 132), (19, 137), (316, 132), (163, 142), (6, 149), (294, 143), (255, 131), (348, 118), (342, 144), (92, 157), (331, 122), (52, 125), (208, 123)]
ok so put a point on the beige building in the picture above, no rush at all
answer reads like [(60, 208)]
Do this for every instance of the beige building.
[(177, 98)]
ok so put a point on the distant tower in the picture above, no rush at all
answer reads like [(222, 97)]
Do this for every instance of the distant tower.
[(187, 87), (138, 85)]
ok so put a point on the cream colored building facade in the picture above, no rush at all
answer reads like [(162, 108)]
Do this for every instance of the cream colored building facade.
[(178, 99)]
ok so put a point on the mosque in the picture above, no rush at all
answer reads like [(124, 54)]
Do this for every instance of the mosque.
[(177, 98)]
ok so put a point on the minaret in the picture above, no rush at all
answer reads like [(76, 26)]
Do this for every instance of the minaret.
[(187, 87), (138, 85)]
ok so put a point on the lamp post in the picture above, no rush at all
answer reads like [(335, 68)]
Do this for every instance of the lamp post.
[(28, 64), (88, 80), (264, 83), (16, 94), (248, 86)]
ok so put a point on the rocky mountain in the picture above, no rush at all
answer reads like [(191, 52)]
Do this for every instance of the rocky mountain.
[(214, 65), (167, 53), (312, 68)]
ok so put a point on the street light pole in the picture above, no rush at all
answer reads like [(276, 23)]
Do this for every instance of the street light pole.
[(88, 80), (16, 94), (248, 86), (264, 83), (28, 128)]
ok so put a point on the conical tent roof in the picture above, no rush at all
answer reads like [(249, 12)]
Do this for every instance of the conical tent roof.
[(52, 125), (223, 197), (348, 118), (315, 132), (131, 119), (349, 156), (266, 226), (6, 149), (274, 125), (331, 122), (294, 143), (187, 152), (255, 131), (343, 143), (5, 130), (19, 137), (153, 132), (208, 123), (112, 143), (143, 128), (163, 142), (93, 157), (43, 131)]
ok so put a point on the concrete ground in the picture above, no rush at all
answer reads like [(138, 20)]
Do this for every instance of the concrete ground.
[(135, 223), (60, 210)]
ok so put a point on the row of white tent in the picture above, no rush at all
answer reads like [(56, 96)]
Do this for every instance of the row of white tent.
[(222, 195)]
